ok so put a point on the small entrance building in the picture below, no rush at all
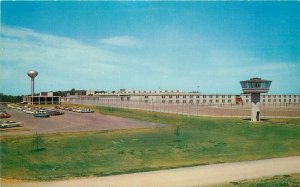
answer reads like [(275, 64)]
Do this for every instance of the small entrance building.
[(40, 100)]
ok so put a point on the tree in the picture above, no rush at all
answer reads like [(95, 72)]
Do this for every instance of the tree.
[(10, 98), (37, 142)]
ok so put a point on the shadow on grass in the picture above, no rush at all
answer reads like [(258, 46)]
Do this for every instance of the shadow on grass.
[(261, 119), (38, 150)]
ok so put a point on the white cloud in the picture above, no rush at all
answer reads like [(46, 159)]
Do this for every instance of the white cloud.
[(122, 41), (60, 60)]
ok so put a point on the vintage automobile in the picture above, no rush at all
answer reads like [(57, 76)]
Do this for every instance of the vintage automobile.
[(76, 110), (9, 124), (4, 114), (86, 110), (41, 115), (54, 112), (68, 109)]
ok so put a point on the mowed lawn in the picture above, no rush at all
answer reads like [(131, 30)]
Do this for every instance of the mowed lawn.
[(276, 181), (200, 141)]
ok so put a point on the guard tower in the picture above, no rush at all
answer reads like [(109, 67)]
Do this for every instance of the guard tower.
[(255, 86)]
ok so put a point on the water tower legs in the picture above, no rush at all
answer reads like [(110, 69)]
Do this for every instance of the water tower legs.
[(255, 107), (32, 90)]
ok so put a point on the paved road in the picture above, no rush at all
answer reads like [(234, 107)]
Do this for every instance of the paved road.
[(190, 176), (70, 122)]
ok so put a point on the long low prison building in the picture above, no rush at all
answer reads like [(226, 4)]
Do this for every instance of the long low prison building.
[(176, 97)]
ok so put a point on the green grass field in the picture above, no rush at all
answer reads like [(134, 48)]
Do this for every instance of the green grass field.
[(276, 181), (201, 141)]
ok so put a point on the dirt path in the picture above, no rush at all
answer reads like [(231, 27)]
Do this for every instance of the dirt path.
[(190, 176)]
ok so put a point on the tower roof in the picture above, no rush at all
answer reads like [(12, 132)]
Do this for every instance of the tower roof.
[(256, 79)]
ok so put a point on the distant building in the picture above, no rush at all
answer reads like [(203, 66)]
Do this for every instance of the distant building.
[(42, 98), (186, 97)]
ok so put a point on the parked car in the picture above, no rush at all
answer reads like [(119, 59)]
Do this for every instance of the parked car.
[(42, 111), (55, 112), (30, 112), (86, 110), (4, 115), (9, 124), (76, 110), (41, 115)]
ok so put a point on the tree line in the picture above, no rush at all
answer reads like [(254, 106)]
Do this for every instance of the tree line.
[(10, 98)]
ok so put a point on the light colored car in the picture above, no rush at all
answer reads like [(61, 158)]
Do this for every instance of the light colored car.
[(9, 124), (42, 111), (29, 112)]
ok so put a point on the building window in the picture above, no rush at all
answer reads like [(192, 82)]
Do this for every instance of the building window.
[(177, 101), (191, 101), (269, 100), (170, 96), (163, 101), (229, 96), (163, 96), (280, 96), (284, 100), (191, 96), (184, 101), (217, 101), (295, 100), (210, 96), (223, 101), (198, 101), (146, 96), (197, 96), (269, 96), (229, 101), (247, 100), (204, 96), (223, 96), (128, 98), (204, 101), (217, 96), (263, 100), (210, 101), (290, 100), (170, 101), (274, 100), (279, 100), (177, 96), (184, 96)]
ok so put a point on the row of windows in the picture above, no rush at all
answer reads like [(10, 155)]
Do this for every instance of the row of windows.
[(197, 101), (192, 96), (279, 96), (279, 100)]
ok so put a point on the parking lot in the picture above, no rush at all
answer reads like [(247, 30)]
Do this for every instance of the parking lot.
[(69, 122)]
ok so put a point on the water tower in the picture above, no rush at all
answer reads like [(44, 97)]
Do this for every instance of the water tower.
[(32, 74), (255, 86)]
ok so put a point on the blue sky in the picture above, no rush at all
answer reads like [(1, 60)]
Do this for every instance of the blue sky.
[(203, 46)]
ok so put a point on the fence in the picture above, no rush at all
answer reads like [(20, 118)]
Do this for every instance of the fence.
[(190, 108)]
